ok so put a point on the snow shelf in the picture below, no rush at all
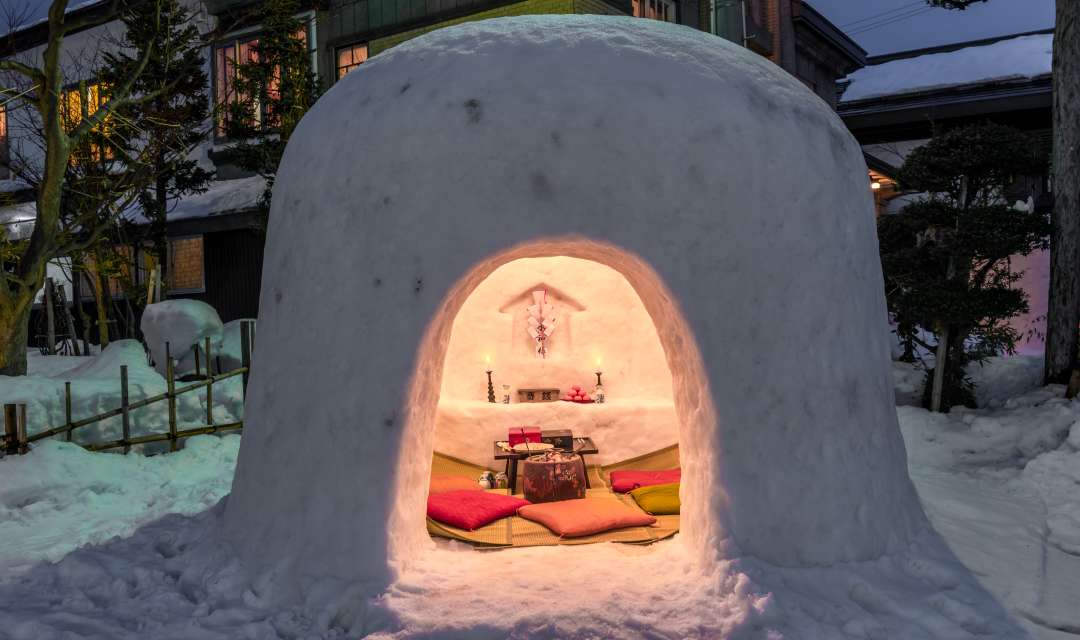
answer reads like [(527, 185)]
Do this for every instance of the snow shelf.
[(621, 429), (739, 217)]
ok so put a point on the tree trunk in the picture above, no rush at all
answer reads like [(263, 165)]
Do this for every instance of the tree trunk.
[(940, 361), (14, 328), (1063, 314), (100, 303)]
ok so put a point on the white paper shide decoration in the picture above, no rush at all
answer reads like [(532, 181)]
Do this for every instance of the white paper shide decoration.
[(541, 322)]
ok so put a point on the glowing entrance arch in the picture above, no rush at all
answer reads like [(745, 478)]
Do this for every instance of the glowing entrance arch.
[(696, 416)]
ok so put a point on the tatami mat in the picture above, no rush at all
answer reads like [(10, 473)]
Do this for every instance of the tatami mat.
[(519, 532)]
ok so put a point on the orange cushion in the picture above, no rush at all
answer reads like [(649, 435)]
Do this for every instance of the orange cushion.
[(584, 517), (442, 484)]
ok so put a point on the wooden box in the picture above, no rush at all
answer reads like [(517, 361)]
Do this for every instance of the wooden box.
[(538, 395), (559, 438), (553, 476)]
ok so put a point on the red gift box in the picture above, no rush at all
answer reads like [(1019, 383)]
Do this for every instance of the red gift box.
[(518, 435)]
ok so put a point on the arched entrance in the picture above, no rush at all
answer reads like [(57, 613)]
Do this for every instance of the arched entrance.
[(694, 415)]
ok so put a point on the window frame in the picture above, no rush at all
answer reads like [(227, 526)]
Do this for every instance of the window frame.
[(5, 144), (98, 153), (169, 288), (338, 75), (234, 40)]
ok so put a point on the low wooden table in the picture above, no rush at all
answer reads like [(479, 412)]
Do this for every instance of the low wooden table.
[(583, 446)]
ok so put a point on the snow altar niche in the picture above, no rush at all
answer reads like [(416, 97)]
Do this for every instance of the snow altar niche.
[(729, 197)]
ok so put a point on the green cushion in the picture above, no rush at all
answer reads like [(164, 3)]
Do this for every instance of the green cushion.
[(658, 499)]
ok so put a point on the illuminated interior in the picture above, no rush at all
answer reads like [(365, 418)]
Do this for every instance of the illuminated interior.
[(600, 324), (648, 354)]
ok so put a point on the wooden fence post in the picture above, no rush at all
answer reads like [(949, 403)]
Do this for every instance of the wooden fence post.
[(125, 417), (245, 352), (67, 410), (210, 401), (11, 429), (50, 316), (169, 380), (209, 368), (20, 430)]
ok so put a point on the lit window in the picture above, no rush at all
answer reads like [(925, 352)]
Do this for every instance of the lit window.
[(186, 264), (349, 58), (228, 56), (82, 102), (4, 159), (663, 10)]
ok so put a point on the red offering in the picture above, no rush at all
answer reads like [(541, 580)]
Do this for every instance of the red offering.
[(517, 435)]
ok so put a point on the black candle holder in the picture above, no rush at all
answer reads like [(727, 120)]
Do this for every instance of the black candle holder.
[(598, 379), (491, 388)]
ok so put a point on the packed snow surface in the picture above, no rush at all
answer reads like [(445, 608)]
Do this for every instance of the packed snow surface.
[(62, 497), (1019, 58)]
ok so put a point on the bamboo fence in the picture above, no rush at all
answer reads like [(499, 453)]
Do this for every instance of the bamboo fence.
[(16, 441)]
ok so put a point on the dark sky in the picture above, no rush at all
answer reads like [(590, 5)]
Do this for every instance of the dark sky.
[(884, 26), (880, 26)]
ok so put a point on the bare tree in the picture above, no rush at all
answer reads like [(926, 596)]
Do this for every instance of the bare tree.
[(63, 225)]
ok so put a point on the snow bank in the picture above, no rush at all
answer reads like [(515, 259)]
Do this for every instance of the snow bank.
[(997, 380), (181, 323), (1009, 437), (60, 497), (1020, 58)]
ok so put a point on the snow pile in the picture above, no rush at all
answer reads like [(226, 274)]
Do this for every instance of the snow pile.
[(1028, 425), (60, 497), (1019, 58), (996, 380), (95, 389), (182, 324), (1056, 477)]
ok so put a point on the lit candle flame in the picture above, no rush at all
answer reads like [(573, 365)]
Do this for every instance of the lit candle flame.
[(487, 359)]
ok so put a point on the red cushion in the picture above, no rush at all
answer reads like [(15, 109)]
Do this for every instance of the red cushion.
[(442, 484), (467, 509), (584, 517), (626, 481)]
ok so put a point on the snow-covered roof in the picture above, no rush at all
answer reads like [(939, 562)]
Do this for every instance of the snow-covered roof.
[(223, 197), (28, 13), (1018, 58)]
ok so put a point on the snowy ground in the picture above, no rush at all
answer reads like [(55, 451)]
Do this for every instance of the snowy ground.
[(1000, 484)]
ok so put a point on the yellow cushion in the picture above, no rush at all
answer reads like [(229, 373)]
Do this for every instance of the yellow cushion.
[(658, 499)]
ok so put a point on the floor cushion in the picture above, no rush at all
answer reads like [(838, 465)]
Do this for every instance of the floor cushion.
[(574, 518), (442, 484), (658, 499), (468, 509), (628, 480)]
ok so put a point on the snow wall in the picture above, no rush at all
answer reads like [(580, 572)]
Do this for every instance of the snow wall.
[(731, 198)]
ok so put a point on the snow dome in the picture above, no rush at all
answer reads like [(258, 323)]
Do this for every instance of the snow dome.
[(705, 190)]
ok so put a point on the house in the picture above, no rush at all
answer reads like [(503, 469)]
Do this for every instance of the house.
[(216, 238), (895, 103)]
